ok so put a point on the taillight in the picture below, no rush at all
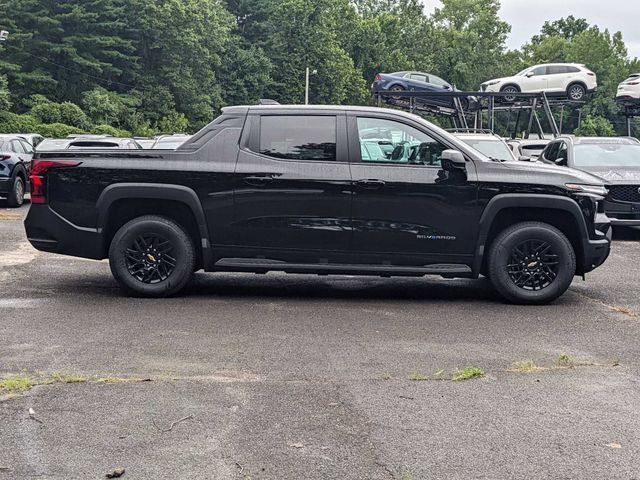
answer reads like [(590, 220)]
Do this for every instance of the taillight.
[(378, 77), (4, 157), (633, 83), (39, 169), (591, 74)]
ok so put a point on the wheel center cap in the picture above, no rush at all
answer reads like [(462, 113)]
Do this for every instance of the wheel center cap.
[(532, 265), (151, 258)]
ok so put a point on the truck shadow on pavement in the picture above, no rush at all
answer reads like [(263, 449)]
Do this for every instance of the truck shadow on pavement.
[(343, 288)]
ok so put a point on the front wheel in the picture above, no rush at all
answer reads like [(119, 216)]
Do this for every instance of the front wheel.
[(152, 256), (512, 94), (531, 263)]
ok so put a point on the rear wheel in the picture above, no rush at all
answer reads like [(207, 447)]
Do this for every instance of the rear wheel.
[(152, 256), (531, 263), (397, 88), (576, 92), (512, 91), (16, 196)]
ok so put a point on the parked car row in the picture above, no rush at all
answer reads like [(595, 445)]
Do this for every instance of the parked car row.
[(616, 161), (570, 80), (17, 151)]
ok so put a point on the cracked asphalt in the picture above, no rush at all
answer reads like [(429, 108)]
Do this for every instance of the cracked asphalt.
[(304, 377)]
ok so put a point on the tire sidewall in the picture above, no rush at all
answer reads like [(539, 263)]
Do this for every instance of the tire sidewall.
[(501, 252), (14, 200), (183, 251), (571, 87)]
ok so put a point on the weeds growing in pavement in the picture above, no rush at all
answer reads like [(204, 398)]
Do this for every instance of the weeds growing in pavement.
[(467, 374)]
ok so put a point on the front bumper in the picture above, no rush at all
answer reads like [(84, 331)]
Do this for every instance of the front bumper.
[(48, 231), (623, 213), (597, 251)]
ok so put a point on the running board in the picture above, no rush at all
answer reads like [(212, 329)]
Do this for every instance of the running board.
[(262, 266)]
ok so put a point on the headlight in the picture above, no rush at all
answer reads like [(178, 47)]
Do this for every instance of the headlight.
[(599, 190), (492, 82)]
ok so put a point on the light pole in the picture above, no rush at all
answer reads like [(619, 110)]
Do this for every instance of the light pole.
[(306, 84)]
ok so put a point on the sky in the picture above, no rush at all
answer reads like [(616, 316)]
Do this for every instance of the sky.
[(527, 16)]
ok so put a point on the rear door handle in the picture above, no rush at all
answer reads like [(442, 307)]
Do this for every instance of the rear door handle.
[(258, 180), (371, 184)]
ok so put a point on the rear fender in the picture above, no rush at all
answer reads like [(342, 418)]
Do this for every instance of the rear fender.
[(157, 191)]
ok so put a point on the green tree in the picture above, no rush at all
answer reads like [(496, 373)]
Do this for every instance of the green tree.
[(469, 37), (5, 98)]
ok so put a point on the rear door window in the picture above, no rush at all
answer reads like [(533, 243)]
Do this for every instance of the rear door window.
[(299, 137), (557, 69)]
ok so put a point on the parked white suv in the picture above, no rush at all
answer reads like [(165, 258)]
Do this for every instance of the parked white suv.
[(629, 90), (570, 79)]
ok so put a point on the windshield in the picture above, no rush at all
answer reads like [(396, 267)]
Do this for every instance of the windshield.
[(491, 148), (519, 74), (607, 155)]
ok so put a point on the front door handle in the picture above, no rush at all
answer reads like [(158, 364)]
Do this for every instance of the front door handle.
[(371, 184), (258, 180)]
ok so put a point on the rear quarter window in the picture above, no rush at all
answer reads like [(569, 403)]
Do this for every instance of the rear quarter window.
[(298, 137)]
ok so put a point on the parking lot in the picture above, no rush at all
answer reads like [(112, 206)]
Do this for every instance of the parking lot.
[(305, 377)]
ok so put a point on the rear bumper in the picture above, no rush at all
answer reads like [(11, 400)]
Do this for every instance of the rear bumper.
[(5, 186), (47, 231)]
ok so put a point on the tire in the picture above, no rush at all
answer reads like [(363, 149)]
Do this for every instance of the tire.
[(137, 262), (510, 89), (397, 88), (523, 277), (576, 92), (16, 195)]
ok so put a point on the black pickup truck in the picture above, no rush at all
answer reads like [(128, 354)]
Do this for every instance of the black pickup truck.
[(320, 190)]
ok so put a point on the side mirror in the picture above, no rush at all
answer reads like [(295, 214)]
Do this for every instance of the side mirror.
[(524, 158), (529, 75), (453, 160)]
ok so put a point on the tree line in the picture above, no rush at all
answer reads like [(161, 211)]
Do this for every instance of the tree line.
[(145, 66)]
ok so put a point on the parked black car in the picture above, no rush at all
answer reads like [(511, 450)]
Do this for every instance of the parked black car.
[(421, 82), (615, 160), (15, 160), (323, 190)]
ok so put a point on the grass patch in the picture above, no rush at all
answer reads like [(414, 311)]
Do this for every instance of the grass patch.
[(467, 374), (564, 361), (67, 378), (110, 380), (416, 377), (17, 383), (525, 366)]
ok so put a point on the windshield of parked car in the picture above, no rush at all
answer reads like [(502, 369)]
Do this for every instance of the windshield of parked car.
[(519, 74), (491, 148), (607, 155), (53, 144)]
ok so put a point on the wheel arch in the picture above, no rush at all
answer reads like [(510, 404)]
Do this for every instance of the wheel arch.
[(508, 209), (510, 84), (120, 203)]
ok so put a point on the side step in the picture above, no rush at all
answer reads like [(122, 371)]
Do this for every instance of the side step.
[(264, 265)]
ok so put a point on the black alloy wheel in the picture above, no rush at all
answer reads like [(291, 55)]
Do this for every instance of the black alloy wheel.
[(533, 265), (150, 258)]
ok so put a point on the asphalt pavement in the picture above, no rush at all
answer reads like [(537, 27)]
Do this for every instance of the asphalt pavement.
[(306, 377)]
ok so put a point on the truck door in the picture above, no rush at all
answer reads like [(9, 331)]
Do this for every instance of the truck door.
[(407, 210), (292, 193)]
